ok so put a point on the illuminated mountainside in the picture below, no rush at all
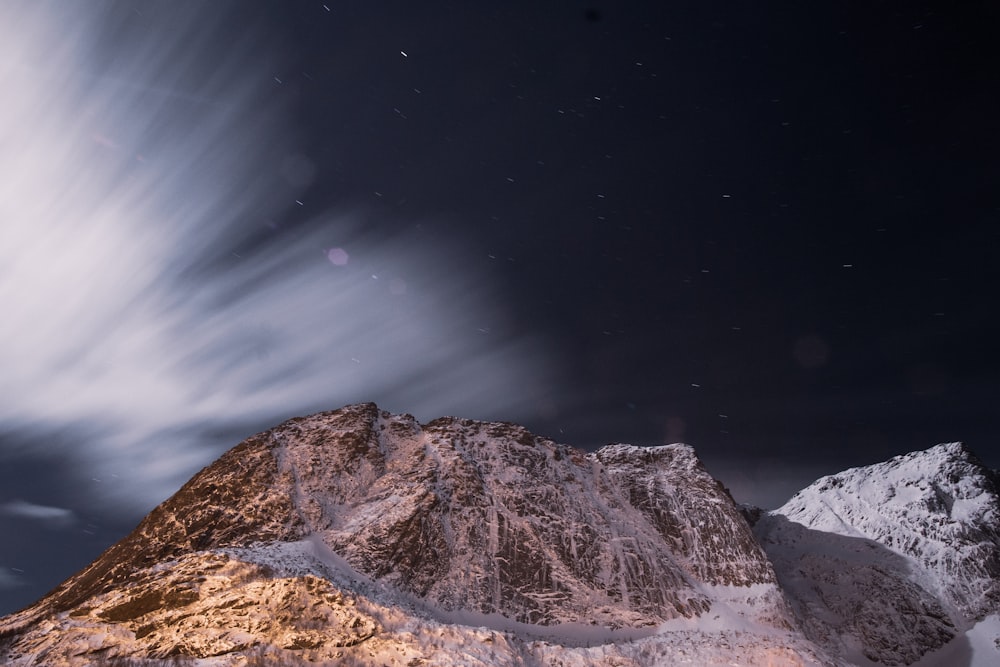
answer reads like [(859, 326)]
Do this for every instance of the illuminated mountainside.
[(895, 559), (356, 535)]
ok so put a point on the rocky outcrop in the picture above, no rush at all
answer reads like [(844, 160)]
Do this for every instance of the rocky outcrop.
[(204, 605), (691, 510)]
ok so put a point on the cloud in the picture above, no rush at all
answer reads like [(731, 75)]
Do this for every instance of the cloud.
[(9, 579), (24, 510), (153, 289)]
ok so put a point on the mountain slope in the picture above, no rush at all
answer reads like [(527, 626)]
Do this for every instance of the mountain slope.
[(360, 535), (891, 561), (940, 507)]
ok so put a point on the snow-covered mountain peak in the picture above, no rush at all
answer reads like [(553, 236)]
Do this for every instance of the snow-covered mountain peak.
[(947, 450), (940, 507), (949, 459), (892, 561), (942, 486)]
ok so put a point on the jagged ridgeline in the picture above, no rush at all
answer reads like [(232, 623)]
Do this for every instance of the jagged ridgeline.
[(361, 537)]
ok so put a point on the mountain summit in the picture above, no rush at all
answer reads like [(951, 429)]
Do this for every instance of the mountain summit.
[(361, 537), (892, 560)]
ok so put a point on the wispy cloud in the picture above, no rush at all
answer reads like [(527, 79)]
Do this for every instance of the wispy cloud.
[(9, 579), (149, 292), (22, 509)]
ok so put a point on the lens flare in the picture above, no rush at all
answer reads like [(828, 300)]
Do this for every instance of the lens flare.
[(338, 256)]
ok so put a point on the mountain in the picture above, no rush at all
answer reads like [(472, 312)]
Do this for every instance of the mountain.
[(895, 560), (359, 537), (365, 536)]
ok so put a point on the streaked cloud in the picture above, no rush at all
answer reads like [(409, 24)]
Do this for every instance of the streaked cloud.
[(9, 579), (23, 509), (152, 293)]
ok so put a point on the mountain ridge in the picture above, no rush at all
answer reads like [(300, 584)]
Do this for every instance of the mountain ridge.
[(356, 534)]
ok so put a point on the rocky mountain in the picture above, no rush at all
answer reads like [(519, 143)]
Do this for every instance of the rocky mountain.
[(895, 560), (359, 537)]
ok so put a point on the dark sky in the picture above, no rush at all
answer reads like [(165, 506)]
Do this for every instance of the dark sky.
[(766, 229)]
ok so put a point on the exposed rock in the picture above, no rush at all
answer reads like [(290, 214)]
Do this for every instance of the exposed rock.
[(360, 537), (691, 510)]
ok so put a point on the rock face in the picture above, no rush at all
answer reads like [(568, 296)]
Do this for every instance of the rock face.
[(487, 517), (894, 558), (339, 516), (691, 510), (240, 499), (358, 537), (491, 518)]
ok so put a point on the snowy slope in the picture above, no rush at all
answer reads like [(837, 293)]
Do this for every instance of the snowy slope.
[(894, 561), (940, 507), (361, 537), (226, 611)]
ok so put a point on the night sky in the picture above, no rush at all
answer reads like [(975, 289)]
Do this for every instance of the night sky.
[(765, 229)]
